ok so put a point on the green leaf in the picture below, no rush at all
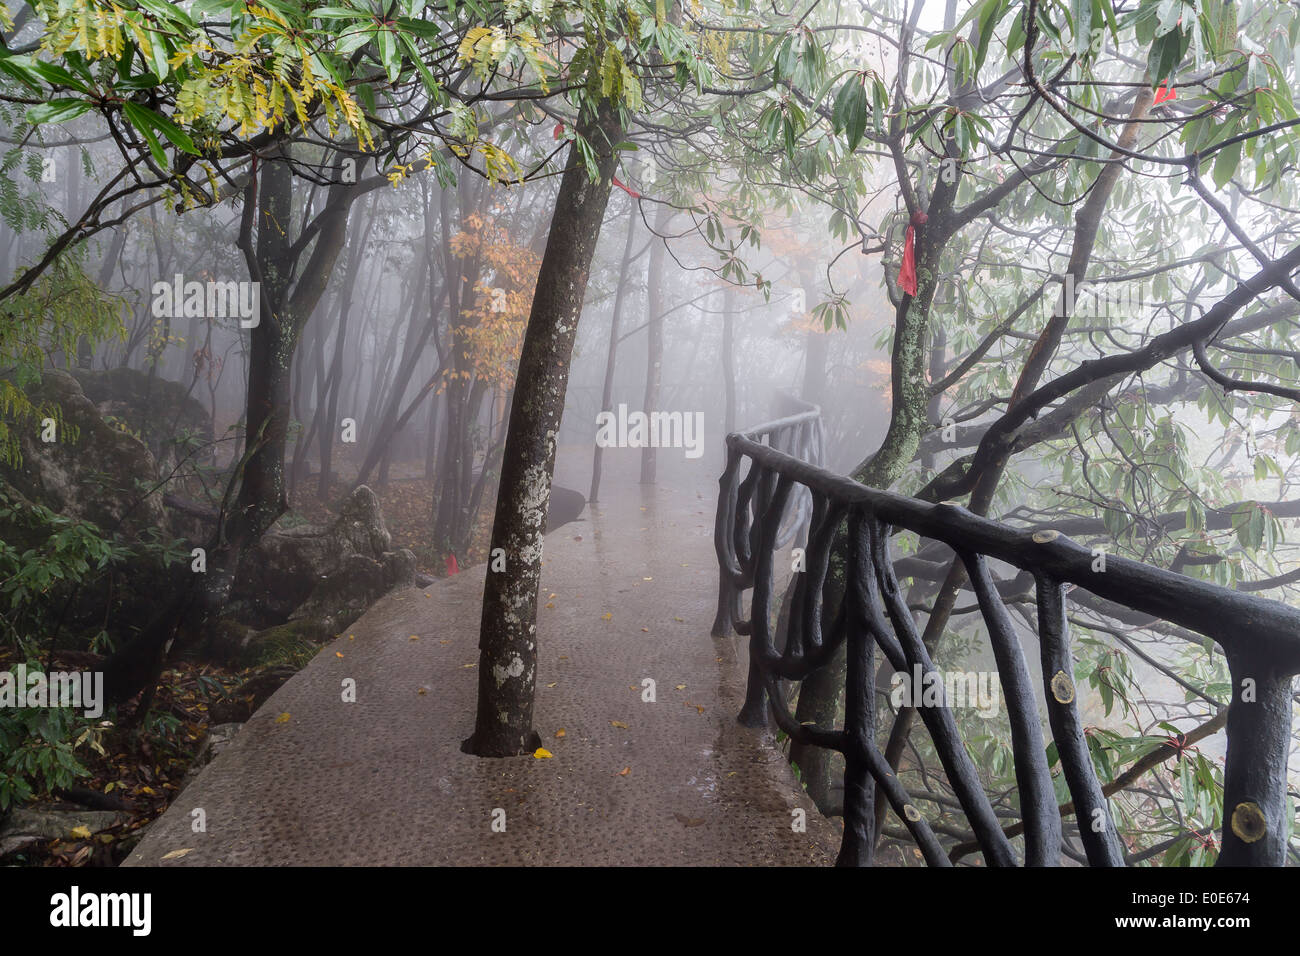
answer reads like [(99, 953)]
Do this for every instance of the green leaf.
[(1225, 164), (155, 121), (849, 112), (58, 76), (1081, 13), (56, 111), (388, 54), (138, 116)]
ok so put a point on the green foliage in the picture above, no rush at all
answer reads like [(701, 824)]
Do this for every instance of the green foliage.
[(62, 307), (45, 553), (38, 750)]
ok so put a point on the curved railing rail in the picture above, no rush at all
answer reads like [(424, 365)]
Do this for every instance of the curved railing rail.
[(1259, 637)]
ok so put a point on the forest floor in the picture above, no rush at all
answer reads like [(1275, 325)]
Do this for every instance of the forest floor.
[(628, 593)]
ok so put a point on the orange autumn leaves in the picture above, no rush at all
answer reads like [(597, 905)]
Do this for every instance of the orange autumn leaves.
[(491, 334)]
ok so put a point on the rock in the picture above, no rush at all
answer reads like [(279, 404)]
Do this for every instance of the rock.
[(343, 596), (243, 701), (228, 639), (10, 846), (51, 824), (218, 739), (159, 410), (285, 568), (97, 476), (566, 504)]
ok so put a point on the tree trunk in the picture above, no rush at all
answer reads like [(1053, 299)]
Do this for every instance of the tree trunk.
[(607, 392), (729, 358), (507, 669), (654, 336)]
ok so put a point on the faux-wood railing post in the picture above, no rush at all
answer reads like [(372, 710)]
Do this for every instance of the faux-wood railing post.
[(1254, 772)]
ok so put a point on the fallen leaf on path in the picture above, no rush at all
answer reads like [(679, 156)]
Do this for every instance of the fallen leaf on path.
[(560, 732), (552, 684), (415, 637), (607, 616), (645, 630), (541, 753), (338, 653), (422, 691), (625, 771), (176, 854), (283, 718), (681, 686), (463, 666), (81, 833), (619, 724), (686, 821)]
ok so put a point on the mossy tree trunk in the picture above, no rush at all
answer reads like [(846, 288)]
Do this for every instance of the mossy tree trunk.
[(507, 667)]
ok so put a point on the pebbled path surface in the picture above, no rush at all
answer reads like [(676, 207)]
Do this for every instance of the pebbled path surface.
[(628, 592)]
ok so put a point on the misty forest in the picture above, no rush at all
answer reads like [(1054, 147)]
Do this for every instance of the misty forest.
[(649, 432)]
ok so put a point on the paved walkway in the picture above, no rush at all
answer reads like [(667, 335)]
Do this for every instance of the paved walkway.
[(629, 593)]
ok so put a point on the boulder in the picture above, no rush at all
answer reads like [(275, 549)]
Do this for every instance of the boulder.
[(290, 567), (54, 824), (217, 739), (158, 410), (93, 471), (344, 595), (566, 505)]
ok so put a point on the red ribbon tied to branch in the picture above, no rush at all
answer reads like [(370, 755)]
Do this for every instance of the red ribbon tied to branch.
[(1164, 94), (907, 271), (631, 192)]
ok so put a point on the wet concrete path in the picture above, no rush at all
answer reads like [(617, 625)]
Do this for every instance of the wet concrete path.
[(628, 593)]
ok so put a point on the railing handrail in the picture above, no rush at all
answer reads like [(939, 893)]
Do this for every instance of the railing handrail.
[(1260, 638), (1231, 618)]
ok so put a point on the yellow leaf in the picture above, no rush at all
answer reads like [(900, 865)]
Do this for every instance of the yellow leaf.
[(625, 771), (681, 686), (619, 724), (560, 732), (283, 718), (176, 854), (81, 833), (552, 684), (422, 691), (415, 637), (338, 653), (608, 615), (541, 753)]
